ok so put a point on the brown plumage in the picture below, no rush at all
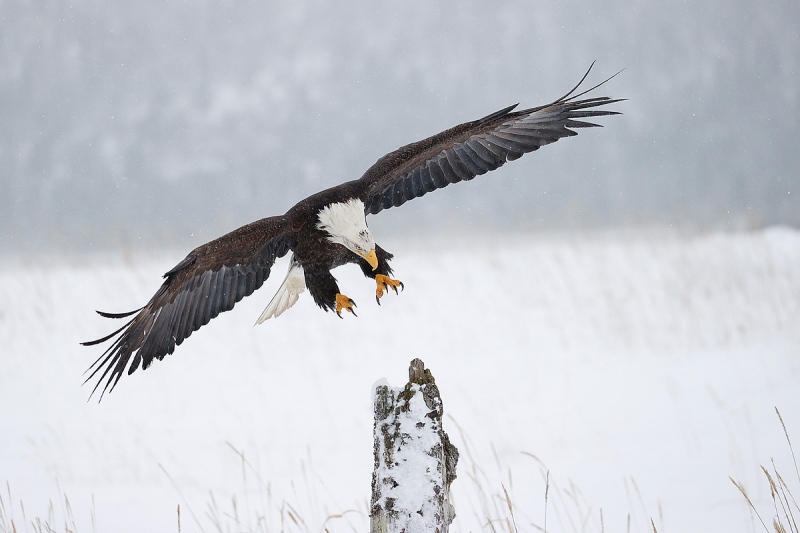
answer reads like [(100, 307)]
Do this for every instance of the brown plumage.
[(322, 233)]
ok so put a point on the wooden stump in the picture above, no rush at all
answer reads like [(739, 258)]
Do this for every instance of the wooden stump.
[(414, 460)]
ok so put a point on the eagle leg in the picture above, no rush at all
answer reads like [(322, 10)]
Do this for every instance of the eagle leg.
[(384, 284), (343, 302)]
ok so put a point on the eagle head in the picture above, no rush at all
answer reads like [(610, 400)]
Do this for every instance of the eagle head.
[(346, 224)]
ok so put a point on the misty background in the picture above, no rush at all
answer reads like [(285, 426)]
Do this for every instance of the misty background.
[(150, 124)]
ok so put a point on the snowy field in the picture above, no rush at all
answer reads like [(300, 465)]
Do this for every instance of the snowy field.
[(641, 369)]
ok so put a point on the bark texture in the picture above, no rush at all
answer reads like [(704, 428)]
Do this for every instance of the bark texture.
[(415, 463)]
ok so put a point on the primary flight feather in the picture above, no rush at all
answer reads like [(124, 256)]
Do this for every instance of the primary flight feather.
[(326, 230)]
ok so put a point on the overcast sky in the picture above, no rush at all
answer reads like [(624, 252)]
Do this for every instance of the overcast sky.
[(161, 123)]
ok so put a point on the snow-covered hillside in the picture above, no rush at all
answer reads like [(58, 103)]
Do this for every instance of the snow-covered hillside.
[(642, 368)]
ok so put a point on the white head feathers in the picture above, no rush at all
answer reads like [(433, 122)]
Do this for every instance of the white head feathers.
[(346, 224)]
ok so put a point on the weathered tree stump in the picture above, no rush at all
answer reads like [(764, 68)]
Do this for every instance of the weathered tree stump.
[(414, 460)]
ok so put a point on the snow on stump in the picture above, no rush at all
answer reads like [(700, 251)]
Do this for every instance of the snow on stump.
[(414, 460)]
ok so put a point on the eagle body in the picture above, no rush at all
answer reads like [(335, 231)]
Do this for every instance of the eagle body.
[(326, 230)]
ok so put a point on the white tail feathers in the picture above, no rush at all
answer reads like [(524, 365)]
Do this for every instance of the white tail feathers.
[(288, 293)]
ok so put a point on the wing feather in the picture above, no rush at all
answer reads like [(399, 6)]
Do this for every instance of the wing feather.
[(437, 177), (209, 281), (460, 170), (497, 151), (474, 148), (486, 155)]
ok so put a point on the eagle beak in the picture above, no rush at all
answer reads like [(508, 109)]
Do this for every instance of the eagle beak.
[(371, 258)]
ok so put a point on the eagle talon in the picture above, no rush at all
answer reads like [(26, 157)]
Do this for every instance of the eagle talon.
[(343, 302), (384, 284)]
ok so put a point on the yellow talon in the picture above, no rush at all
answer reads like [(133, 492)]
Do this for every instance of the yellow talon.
[(384, 283), (343, 302)]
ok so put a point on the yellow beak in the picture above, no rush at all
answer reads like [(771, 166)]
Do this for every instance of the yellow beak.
[(371, 258)]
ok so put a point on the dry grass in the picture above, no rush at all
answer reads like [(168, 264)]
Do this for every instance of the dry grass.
[(560, 508), (494, 505), (256, 509), (784, 504), (59, 516)]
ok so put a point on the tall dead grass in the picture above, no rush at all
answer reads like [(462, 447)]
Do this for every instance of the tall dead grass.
[(59, 516), (497, 507), (478, 495), (784, 505)]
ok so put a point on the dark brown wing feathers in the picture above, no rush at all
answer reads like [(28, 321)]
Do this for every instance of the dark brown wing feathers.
[(209, 281), (474, 148)]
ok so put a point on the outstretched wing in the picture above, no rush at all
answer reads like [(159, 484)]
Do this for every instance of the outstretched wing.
[(474, 148), (209, 281)]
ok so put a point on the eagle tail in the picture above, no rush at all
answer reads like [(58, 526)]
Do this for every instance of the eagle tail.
[(288, 293)]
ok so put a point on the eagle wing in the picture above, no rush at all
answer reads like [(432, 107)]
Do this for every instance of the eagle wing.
[(209, 281), (474, 148)]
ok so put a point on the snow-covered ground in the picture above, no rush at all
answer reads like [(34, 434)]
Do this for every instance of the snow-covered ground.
[(642, 369)]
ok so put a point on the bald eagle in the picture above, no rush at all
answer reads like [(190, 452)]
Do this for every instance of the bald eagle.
[(326, 230)]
